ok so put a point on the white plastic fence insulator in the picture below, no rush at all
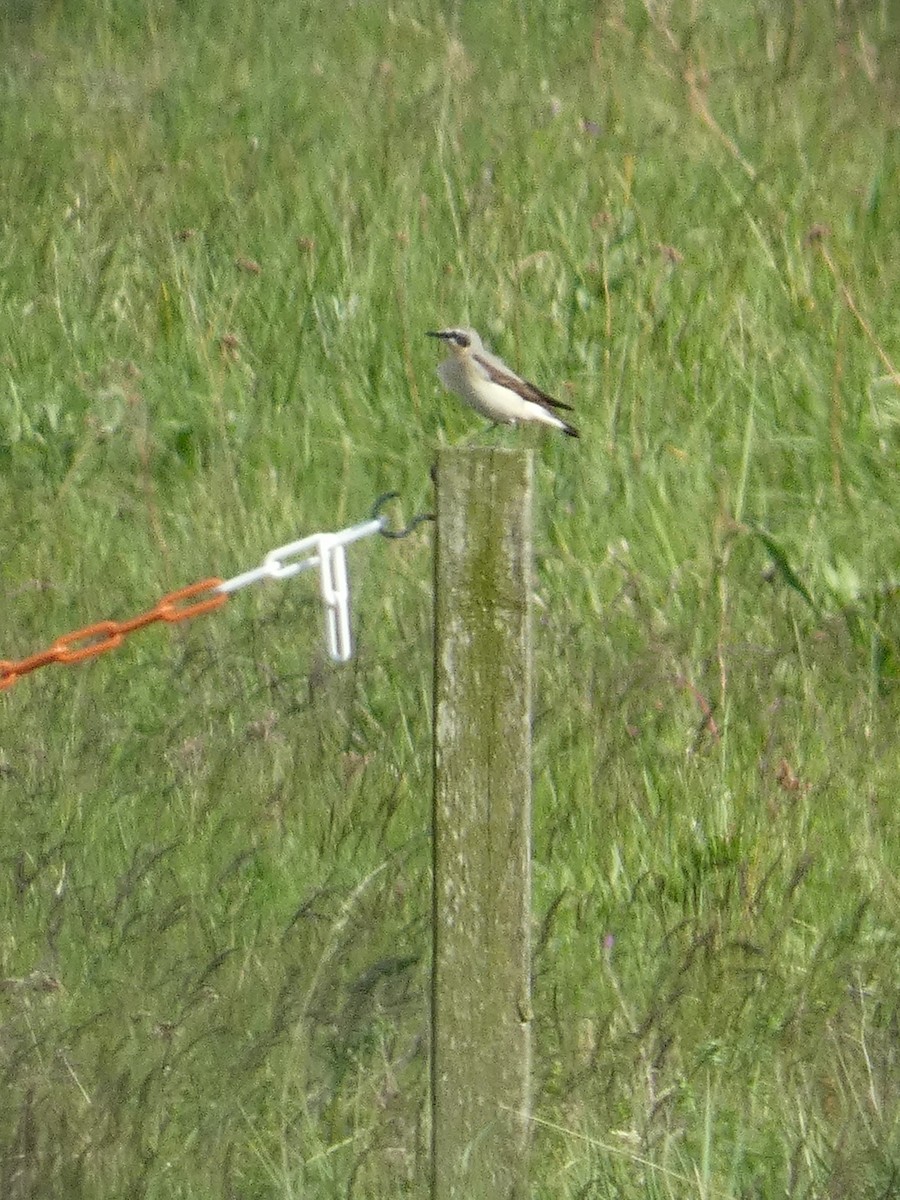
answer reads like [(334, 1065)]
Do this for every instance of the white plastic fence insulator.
[(336, 598), (325, 551)]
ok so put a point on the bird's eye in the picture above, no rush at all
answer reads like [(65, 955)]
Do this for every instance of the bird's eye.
[(462, 339)]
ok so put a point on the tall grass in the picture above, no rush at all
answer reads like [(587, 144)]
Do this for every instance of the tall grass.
[(223, 231)]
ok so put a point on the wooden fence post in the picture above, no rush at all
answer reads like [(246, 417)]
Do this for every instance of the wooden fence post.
[(480, 1044)]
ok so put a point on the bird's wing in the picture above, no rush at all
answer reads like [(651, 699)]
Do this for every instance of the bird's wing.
[(498, 372)]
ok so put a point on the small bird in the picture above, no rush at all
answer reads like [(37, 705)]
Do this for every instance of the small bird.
[(487, 384)]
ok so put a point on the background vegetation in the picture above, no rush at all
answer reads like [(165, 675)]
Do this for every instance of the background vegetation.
[(224, 228)]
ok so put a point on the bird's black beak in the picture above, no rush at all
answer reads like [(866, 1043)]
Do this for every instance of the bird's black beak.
[(435, 333)]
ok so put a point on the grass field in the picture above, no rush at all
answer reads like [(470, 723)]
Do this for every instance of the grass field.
[(224, 229)]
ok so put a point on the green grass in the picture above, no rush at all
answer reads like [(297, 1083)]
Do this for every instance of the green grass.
[(215, 880)]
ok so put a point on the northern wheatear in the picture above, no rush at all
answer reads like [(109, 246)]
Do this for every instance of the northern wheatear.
[(487, 384)]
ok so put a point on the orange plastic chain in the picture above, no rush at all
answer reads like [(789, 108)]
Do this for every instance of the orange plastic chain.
[(106, 635)]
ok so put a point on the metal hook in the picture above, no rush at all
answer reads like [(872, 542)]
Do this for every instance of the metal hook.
[(397, 533)]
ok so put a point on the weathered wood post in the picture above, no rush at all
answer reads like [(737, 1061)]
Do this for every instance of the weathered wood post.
[(480, 1048)]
